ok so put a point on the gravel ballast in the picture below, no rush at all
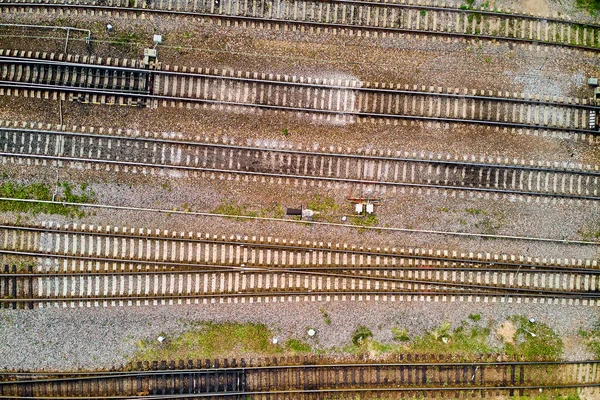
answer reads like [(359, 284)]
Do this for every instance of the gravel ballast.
[(66, 339)]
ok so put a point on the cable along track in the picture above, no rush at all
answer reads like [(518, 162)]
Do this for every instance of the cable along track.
[(380, 172), (304, 378), (351, 15), (349, 101), (84, 269)]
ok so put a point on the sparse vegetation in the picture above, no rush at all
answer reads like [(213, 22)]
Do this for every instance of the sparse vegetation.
[(326, 316), (400, 335), (464, 340), (589, 234), (297, 346), (39, 191), (475, 317), (366, 220), (534, 340), (233, 210), (322, 204), (209, 340), (469, 4), (593, 6), (126, 41), (326, 207), (592, 338), (475, 211), (360, 334)]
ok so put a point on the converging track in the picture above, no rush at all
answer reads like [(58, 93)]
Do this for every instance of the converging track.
[(345, 100), (110, 268)]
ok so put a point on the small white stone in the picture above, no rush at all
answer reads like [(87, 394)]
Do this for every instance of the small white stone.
[(275, 340), (160, 339), (532, 320), (344, 218), (311, 332)]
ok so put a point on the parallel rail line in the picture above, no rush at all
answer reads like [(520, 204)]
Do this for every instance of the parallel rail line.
[(351, 15), (366, 170), (208, 378), (342, 100)]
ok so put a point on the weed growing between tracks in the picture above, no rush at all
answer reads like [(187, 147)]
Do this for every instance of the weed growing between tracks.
[(210, 340), (593, 6), (555, 395), (534, 340), (40, 191), (592, 338), (234, 210), (468, 341)]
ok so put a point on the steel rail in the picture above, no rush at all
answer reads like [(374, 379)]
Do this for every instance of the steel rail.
[(305, 177), (368, 89), (199, 267), (188, 239), (334, 25), (519, 167), (274, 294), (250, 368), (59, 88), (282, 270), (322, 391)]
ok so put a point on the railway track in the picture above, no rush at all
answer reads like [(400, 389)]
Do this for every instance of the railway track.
[(377, 172), (387, 18), (265, 379), (350, 100), (100, 269)]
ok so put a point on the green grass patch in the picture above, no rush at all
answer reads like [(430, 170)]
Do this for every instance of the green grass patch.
[(467, 339), (592, 6), (474, 317), (360, 334), (209, 340), (322, 204), (546, 344), (326, 207), (592, 338), (234, 210), (126, 41), (400, 335), (365, 220), (273, 211), (552, 395), (295, 346), (40, 191)]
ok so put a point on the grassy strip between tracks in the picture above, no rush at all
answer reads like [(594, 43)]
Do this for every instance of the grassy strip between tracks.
[(516, 336), (39, 191)]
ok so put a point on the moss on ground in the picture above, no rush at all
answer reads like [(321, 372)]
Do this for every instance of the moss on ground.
[(39, 191)]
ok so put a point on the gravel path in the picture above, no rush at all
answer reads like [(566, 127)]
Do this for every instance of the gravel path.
[(102, 338)]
